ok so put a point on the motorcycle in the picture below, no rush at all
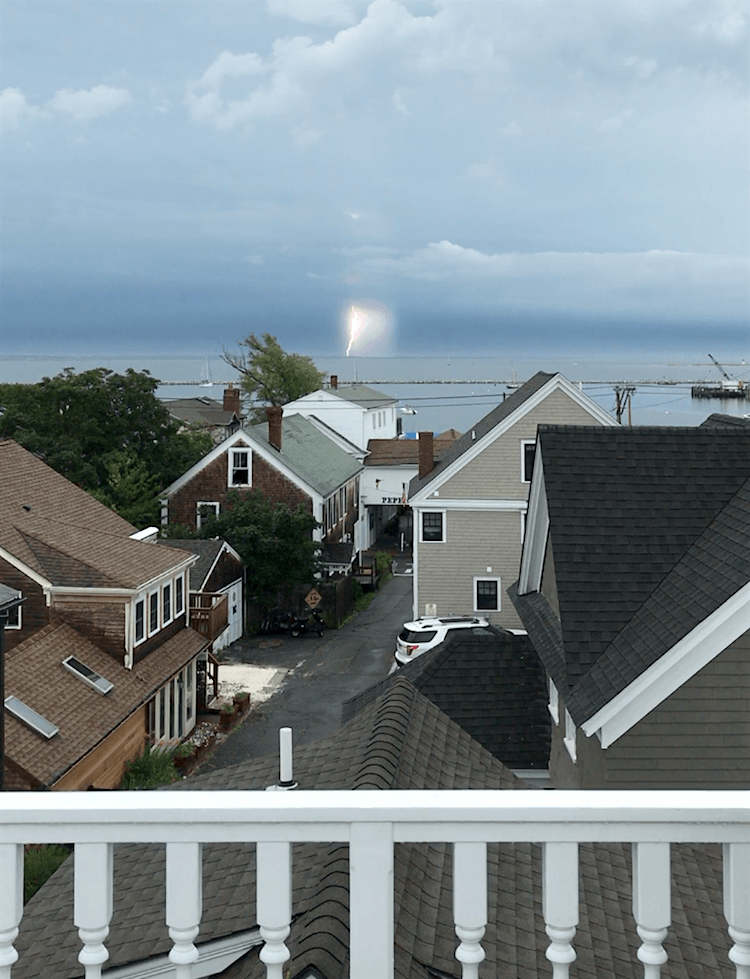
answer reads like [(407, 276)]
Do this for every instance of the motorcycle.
[(276, 620), (302, 624)]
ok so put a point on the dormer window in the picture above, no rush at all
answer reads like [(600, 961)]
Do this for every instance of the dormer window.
[(239, 467), (153, 612), (140, 620), (179, 596), (166, 603)]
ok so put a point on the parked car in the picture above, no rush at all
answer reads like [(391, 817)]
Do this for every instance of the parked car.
[(417, 637)]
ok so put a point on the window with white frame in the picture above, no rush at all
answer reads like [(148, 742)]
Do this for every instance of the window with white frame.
[(13, 618), (487, 594), (239, 467), (153, 612), (166, 603), (140, 620), (569, 738), (433, 525), (554, 702), (206, 510), (179, 595), (528, 451)]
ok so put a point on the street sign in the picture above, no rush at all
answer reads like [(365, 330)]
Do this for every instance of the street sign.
[(313, 599)]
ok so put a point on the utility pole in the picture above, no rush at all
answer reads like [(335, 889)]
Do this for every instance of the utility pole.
[(623, 399)]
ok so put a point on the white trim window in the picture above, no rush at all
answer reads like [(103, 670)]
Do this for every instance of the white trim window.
[(206, 510), (166, 603), (13, 618), (153, 612), (239, 467), (487, 594), (139, 614), (554, 701), (528, 451), (179, 595), (432, 526), (569, 738)]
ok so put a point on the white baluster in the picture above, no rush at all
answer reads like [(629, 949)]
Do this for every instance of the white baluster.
[(371, 900), (560, 904), (737, 904), (274, 904), (93, 903), (11, 903), (652, 903), (184, 904), (470, 904)]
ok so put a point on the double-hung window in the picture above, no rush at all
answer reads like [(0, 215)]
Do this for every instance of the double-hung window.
[(179, 596), (528, 451), (433, 528), (206, 510), (153, 612), (166, 603), (486, 594), (140, 620), (239, 467)]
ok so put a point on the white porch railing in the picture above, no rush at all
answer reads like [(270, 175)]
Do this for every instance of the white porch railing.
[(371, 822)]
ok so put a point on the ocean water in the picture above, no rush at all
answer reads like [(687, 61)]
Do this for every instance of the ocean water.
[(478, 383)]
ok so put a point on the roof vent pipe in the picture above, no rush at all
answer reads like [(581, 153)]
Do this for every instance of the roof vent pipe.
[(286, 780)]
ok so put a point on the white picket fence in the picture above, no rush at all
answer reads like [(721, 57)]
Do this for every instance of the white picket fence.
[(371, 822)]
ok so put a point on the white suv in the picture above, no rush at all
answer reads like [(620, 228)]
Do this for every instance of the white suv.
[(417, 637)]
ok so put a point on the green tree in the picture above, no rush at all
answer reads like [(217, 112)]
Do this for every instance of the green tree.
[(106, 432), (270, 375), (274, 541)]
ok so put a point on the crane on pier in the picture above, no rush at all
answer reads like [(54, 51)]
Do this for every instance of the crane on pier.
[(729, 381)]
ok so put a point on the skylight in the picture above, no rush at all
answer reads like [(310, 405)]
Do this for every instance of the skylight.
[(30, 717), (89, 676)]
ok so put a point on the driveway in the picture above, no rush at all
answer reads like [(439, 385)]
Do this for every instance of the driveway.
[(321, 673)]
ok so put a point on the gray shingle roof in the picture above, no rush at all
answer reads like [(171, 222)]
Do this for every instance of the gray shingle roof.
[(199, 411), (491, 683), (310, 454), (732, 420), (206, 550), (482, 427), (649, 530), (362, 395)]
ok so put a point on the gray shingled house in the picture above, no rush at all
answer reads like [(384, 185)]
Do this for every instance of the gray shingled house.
[(470, 506), (635, 590), (400, 740)]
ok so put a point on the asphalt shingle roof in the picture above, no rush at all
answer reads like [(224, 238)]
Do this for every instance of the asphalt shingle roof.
[(482, 427), (310, 454), (362, 395), (401, 452), (400, 741), (206, 551), (492, 684), (649, 532)]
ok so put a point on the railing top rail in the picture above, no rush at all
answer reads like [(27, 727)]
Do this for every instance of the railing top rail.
[(227, 816)]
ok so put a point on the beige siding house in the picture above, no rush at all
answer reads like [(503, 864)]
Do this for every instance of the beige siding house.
[(470, 507), (635, 590)]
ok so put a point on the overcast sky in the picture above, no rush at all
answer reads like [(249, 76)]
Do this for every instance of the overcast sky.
[(485, 174)]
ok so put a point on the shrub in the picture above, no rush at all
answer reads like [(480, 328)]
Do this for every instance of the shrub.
[(39, 863), (154, 767)]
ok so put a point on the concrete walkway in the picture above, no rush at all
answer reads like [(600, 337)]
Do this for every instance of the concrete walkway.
[(306, 680)]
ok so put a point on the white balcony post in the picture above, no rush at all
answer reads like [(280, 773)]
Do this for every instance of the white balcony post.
[(470, 904), (371, 900), (652, 903), (560, 904), (11, 903), (274, 904), (184, 904), (737, 904), (93, 903)]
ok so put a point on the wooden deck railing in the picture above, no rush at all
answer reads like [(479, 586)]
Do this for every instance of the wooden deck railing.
[(209, 613)]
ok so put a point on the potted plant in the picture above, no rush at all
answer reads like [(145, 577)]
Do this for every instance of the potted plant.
[(226, 716), (242, 700)]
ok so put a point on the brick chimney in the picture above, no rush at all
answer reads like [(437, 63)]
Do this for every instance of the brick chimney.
[(426, 456), (334, 381), (274, 415), (232, 399)]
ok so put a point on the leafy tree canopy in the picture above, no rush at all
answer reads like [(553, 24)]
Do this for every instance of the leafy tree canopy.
[(270, 375), (106, 432), (274, 541)]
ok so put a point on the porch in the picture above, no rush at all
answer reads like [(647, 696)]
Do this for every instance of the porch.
[(371, 823), (209, 613)]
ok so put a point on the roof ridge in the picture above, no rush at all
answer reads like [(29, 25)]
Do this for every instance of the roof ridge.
[(381, 758), (43, 559)]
